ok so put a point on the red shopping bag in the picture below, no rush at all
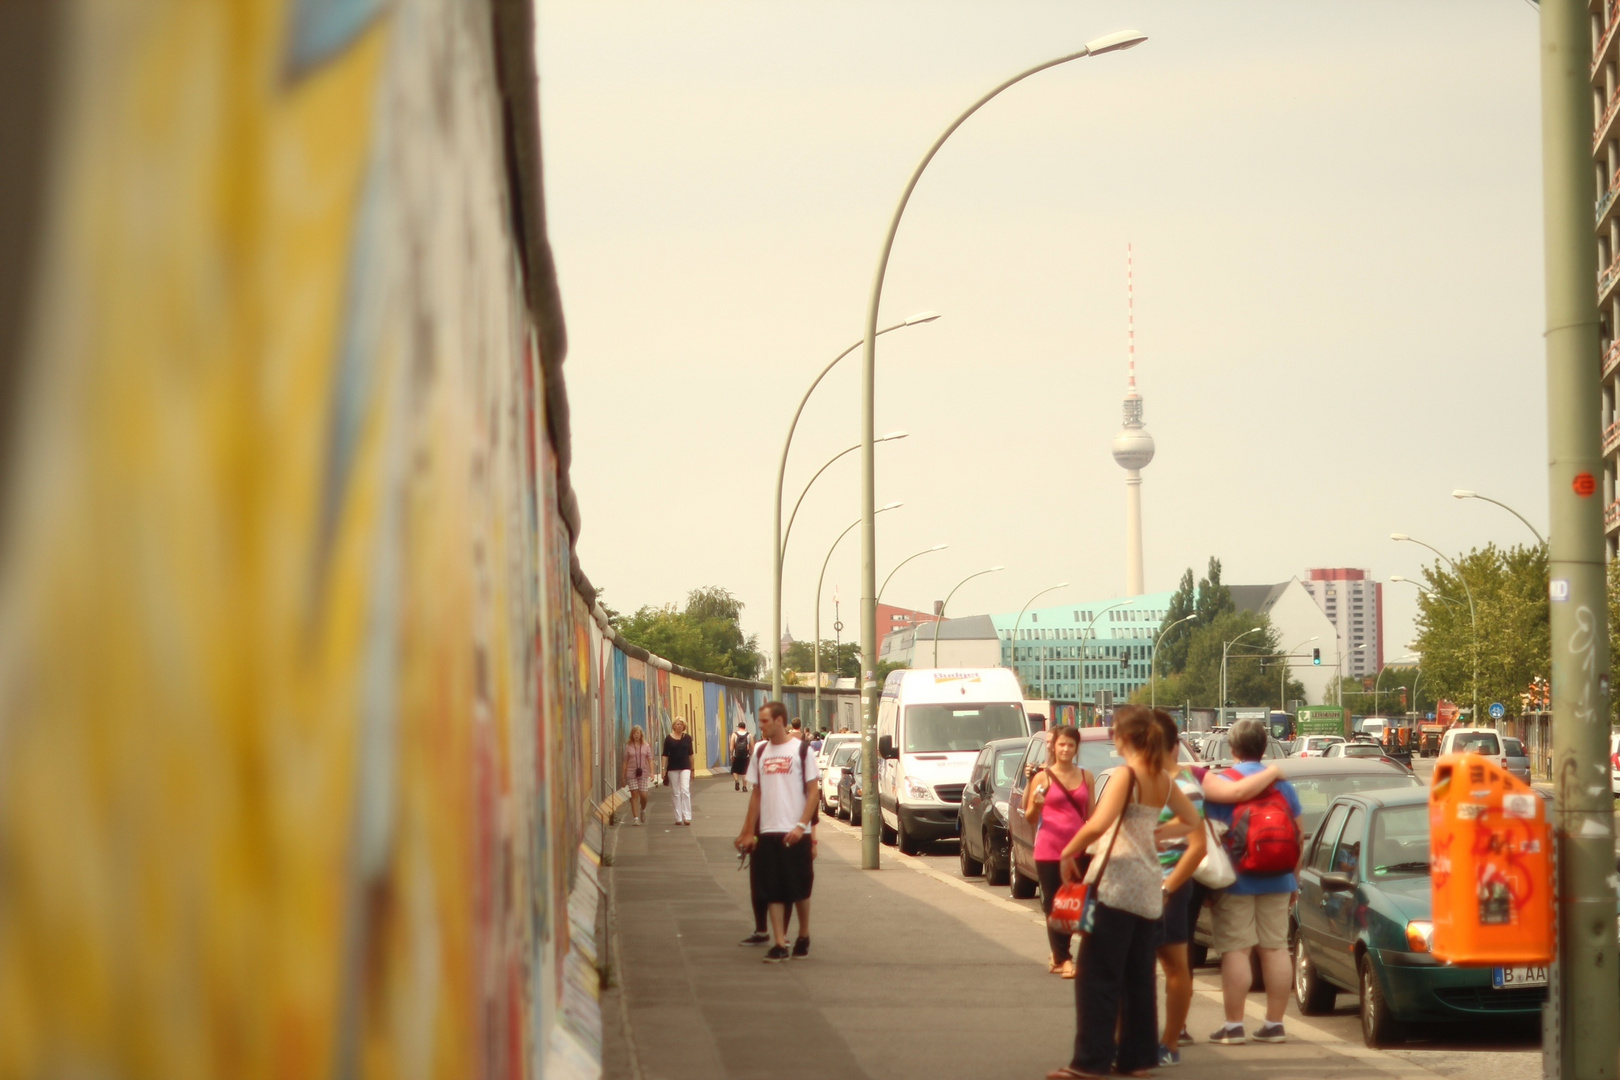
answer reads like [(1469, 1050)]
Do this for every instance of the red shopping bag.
[(1068, 907)]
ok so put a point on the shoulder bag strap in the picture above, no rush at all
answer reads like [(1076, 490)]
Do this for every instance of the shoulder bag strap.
[(1103, 869)]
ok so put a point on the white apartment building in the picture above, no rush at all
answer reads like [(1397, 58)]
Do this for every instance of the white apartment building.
[(1354, 604), (1606, 164)]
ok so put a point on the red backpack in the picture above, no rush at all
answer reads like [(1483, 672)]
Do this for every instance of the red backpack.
[(1264, 838)]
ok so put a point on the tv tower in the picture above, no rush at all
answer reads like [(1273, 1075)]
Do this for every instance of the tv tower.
[(1133, 447)]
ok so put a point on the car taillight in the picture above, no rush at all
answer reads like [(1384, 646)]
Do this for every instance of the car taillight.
[(1614, 761)]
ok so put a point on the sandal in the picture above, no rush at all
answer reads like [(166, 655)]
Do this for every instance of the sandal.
[(1068, 969), (1054, 968), (1069, 1073)]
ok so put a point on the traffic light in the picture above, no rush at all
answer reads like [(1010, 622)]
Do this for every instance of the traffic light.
[(1316, 657)]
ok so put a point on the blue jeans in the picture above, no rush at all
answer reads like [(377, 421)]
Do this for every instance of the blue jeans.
[(1116, 981)]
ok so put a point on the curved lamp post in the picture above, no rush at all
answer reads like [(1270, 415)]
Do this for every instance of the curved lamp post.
[(893, 436), (1473, 617), (822, 577), (870, 813), (1013, 650), (1088, 635), (902, 562), (778, 541), (1464, 493), (1224, 646), (1378, 681), (942, 607), (1282, 692), (1153, 670)]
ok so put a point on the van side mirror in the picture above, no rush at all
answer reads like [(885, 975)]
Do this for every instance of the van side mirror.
[(886, 748), (1336, 882)]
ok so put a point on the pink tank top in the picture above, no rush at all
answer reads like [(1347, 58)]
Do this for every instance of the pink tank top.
[(1062, 815)]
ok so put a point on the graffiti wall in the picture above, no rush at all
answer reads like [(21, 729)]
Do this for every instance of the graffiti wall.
[(303, 704)]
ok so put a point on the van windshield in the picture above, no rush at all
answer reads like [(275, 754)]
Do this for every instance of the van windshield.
[(1479, 742), (939, 729)]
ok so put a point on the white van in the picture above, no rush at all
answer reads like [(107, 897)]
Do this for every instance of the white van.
[(1474, 741), (1375, 726), (931, 726)]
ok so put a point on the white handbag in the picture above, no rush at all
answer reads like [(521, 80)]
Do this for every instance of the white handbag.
[(1215, 869)]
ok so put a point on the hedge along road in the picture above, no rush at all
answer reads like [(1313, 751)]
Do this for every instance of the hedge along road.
[(1486, 1051)]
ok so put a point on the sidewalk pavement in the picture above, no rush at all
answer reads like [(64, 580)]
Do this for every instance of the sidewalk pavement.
[(912, 974)]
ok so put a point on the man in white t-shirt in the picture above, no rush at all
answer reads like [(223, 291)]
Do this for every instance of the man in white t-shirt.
[(781, 809)]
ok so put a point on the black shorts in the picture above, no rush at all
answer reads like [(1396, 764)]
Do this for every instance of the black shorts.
[(1178, 916), (785, 874)]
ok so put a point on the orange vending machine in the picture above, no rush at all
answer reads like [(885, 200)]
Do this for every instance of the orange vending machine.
[(1490, 865)]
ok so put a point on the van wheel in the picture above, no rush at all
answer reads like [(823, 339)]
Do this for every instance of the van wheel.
[(885, 833), (903, 839), (1021, 887)]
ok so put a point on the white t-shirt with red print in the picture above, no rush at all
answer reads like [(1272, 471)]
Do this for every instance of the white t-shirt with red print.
[(777, 772)]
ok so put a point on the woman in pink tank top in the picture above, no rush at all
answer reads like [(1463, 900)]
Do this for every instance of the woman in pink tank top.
[(1060, 797)]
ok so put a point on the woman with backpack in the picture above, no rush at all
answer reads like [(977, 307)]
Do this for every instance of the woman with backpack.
[(1059, 798), (1121, 928)]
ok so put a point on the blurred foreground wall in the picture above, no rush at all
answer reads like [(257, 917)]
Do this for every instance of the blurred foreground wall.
[(304, 702)]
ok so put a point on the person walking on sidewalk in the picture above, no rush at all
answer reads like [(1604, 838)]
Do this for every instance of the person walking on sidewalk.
[(1115, 985), (1264, 841), (777, 829), (678, 770), (1058, 801), (740, 745), (638, 773)]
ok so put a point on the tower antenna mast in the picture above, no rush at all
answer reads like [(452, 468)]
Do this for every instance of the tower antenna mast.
[(1133, 446)]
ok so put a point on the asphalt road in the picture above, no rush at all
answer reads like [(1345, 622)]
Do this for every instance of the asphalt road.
[(1483, 1052)]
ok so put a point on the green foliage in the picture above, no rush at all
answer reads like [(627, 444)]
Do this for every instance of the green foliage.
[(1246, 683), (840, 660), (706, 635), (1387, 695), (1509, 587), (886, 666), (1208, 599)]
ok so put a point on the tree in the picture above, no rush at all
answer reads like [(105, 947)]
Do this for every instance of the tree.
[(707, 635), (1251, 672), (1389, 695), (1205, 601), (1509, 587), (838, 660), (886, 666)]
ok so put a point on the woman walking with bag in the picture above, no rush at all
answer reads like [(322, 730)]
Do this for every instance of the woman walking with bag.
[(678, 770), (638, 768), (1126, 902), (1059, 798)]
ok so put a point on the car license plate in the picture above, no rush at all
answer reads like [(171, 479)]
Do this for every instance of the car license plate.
[(1511, 978)]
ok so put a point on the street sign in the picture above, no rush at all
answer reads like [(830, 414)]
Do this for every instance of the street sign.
[(1428, 716), (1497, 712)]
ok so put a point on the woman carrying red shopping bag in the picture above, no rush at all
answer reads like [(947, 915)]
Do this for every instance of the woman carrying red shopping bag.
[(1059, 796)]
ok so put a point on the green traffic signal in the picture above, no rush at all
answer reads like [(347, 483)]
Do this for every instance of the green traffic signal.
[(1316, 657)]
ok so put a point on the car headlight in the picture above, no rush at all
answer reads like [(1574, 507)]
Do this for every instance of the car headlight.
[(1420, 935), (1001, 807), (917, 790)]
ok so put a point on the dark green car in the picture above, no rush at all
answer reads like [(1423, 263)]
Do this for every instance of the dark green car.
[(1362, 926)]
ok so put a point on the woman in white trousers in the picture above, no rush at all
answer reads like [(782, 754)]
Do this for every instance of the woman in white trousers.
[(678, 769)]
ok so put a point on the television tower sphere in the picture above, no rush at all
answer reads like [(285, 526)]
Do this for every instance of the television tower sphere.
[(1133, 446)]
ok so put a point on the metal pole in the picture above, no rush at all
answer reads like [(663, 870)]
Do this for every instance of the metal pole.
[(779, 541), (1486, 498), (882, 588), (1473, 618), (1581, 1039), (819, 579), (1224, 646), (871, 821), (1153, 673)]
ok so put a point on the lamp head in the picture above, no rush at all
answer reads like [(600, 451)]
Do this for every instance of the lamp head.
[(920, 317), (1118, 41), (939, 547), (891, 506), (993, 569), (892, 436), (1464, 493), (1399, 536)]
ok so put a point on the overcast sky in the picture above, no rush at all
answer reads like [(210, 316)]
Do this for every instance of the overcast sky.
[(1336, 216)]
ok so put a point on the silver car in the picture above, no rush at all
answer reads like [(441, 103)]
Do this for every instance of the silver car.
[(1518, 762)]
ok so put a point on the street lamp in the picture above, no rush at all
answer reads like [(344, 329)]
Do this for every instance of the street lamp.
[(941, 620), (1224, 646), (870, 816), (1013, 649), (822, 577), (1473, 617), (1464, 493), (1338, 672), (902, 562), (1282, 681), (778, 541), (1153, 662), (1085, 635), (1380, 679), (893, 436)]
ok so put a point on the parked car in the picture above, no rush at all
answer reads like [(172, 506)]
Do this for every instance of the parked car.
[(831, 743), (846, 753), (1359, 748), (985, 809), (849, 790), (1474, 741), (1518, 761), (1614, 762), (1362, 925), (1315, 745), (1097, 756), (1317, 782)]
